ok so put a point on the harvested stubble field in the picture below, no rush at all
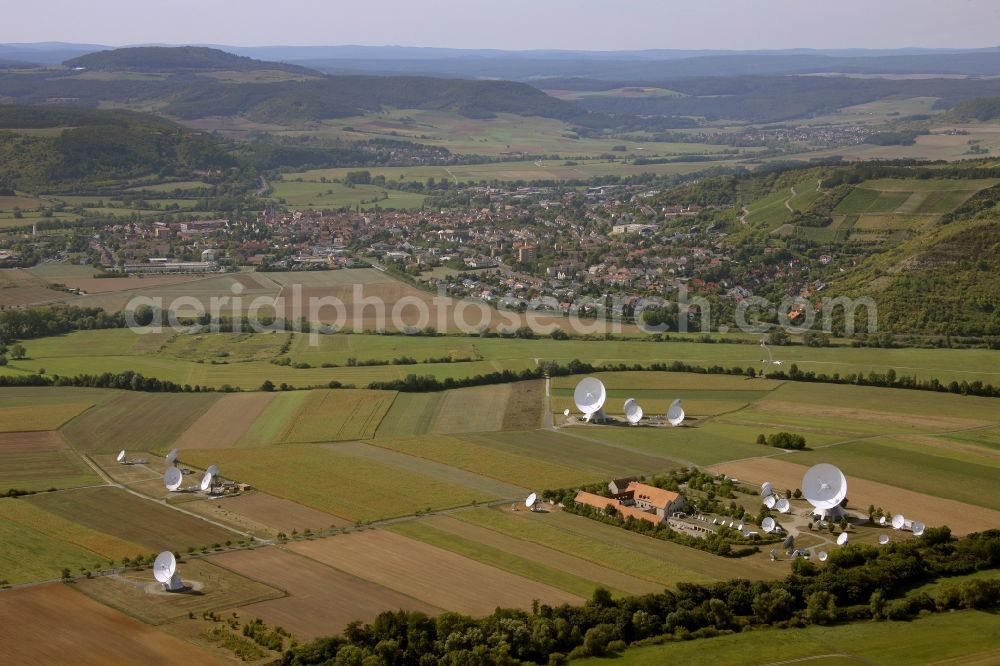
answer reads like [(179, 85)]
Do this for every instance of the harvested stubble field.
[(486, 461), (145, 522), (38, 417), (338, 414), (37, 543), (335, 482), (153, 419), (225, 421), (660, 562), (93, 285), (43, 470), (434, 576), (47, 624), (530, 560), (264, 515), (320, 600), (446, 473), (19, 287), (934, 511), (221, 589)]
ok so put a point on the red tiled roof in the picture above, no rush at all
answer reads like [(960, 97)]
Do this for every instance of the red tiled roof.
[(658, 497)]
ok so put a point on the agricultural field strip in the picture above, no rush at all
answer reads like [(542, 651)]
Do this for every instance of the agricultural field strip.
[(500, 559)]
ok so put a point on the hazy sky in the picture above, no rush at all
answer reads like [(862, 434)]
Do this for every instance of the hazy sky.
[(512, 24)]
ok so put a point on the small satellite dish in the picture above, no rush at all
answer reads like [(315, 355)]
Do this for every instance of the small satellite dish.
[(768, 524), (766, 489), (842, 539), (884, 539), (745, 532), (821, 556), (213, 470), (121, 456), (740, 526), (825, 487), (881, 520), (917, 528), (770, 501), (589, 396), (898, 521), (172, 479), (774, 554), (171, 457), (783, 505), (530, 500), (565, 412), (675, 415), (165, 571), (206, 481), (633, 412)]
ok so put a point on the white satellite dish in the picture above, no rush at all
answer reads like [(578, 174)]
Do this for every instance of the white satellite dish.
[(530, 500), (589, 397), (171, 457), (206, 481), (633, 412), (898, 521), (745, 532), (881, 520), (825, 487), (770, 501), (172, 479), (842, 539), (783, 505), (768, 524), (121, 456), (165, 571), (821, 556), (213, 470), (565, 412), (766, 489), (740, 526), (774, 554), (917, 528), (884, 539), (675, 415)]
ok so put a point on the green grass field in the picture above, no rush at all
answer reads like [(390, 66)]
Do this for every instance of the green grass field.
[(41, 470), (964, 637), (328, 480), (333, 415), (507, 466), (133, 519), (313, 195)]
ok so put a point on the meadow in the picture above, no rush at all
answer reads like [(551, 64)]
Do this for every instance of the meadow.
[(964, 637)]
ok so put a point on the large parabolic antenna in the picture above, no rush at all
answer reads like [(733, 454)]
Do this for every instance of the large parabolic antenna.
[(898, 521), (825, 487), (783, 505), (766, 488), (822, 555), (917, 527), (206, 481), (121, 456), (213, 470), (633, 411), (530, 500), (842, 539), (171, 457), (675, 415), (768, 524), (165, 571), (884, 539), (770, 501), (589, 397), (172, 479)]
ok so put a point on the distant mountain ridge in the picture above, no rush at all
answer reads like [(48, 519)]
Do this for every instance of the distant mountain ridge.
[(173, 59)]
